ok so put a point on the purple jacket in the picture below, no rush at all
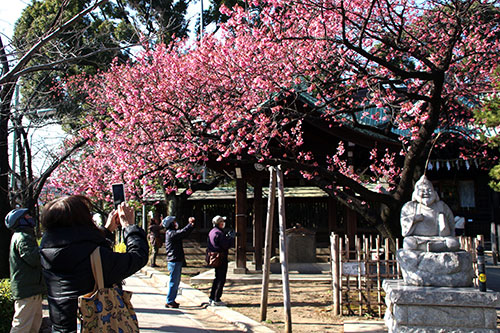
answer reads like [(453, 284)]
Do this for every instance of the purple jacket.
[(218, 241)]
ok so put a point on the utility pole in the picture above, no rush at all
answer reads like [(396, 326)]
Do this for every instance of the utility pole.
[(14, 139), (17, 122), (201, 21)]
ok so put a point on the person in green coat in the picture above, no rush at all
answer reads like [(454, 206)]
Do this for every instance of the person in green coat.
[(26, 280)]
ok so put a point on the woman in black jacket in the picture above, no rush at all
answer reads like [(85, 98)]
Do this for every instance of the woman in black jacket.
[(70, 236)]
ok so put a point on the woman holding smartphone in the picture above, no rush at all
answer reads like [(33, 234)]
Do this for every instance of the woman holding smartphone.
[(70, 236)]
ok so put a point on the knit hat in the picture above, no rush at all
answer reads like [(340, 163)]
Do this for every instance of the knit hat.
[(16, 218), (168, 222)]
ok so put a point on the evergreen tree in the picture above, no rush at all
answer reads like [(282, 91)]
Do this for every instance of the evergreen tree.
[(490, 115)]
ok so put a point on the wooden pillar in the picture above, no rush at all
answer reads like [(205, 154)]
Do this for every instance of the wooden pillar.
[(257, 224), (241, 226), (351, 221), (332, 215)]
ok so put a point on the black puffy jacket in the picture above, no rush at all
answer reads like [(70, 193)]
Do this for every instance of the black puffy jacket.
[(173, 243), (65, 258)]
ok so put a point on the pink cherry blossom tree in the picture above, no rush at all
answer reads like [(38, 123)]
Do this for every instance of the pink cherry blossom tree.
[(402, 70)]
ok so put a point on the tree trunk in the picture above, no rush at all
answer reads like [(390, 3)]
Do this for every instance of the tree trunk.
[(6, 93)]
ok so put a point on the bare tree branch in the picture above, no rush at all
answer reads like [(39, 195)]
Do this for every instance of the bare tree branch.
[(51, 65), (27, 57), (46, 174)]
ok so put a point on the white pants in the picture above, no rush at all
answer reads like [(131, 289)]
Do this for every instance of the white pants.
[(27, 315)]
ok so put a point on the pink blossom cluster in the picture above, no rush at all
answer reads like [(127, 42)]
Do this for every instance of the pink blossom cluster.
[(165, 115)]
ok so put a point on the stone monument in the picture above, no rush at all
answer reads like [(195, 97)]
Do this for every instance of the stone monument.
[(436, 293), (300, 244)]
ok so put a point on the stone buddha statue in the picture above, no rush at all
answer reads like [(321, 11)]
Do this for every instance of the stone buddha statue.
[(427, 223), (431, 254)]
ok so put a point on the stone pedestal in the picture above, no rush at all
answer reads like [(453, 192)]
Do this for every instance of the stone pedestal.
[(437, 269), (439, 309)]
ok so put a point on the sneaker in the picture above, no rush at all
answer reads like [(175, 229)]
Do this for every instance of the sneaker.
[(154, 265), (218, 303), (173, 305), (211, 302)]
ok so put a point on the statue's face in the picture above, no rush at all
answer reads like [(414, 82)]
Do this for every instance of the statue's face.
[(424, 193)]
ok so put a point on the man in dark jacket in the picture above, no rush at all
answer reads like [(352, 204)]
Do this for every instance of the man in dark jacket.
[(175, 255), (25, 272), (69, 238)]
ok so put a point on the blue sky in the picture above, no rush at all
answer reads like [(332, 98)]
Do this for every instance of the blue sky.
[(10, 10)]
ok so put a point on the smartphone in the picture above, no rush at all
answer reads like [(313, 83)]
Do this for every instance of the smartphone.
[(118, 194)]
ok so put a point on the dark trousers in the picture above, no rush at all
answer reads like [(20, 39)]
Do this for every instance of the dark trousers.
[(218, 284), (155, 250)]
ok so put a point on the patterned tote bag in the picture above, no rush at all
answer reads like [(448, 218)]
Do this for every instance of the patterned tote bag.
[(106, 309)]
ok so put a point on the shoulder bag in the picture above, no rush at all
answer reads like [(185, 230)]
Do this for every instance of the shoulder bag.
[(214, 259), (106, 309)]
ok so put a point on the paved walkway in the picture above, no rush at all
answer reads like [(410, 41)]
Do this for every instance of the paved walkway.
[(193, 315), (149, 301)]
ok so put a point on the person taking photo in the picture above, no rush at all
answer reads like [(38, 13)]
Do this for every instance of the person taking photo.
[(70, 236), (175, 255)]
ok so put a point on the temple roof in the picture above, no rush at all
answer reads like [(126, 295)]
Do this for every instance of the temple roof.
[(229, 193)]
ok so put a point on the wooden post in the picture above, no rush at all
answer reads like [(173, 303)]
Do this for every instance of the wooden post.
[(498, 239), (379, 278), (283, 252), (334, 242), (357, 243), (332, 215), (398, 269), (241, 226), (387, 256), (257, 224), (341, 243), (144, 216), (367, 281), (494, 245), (269, 238)]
